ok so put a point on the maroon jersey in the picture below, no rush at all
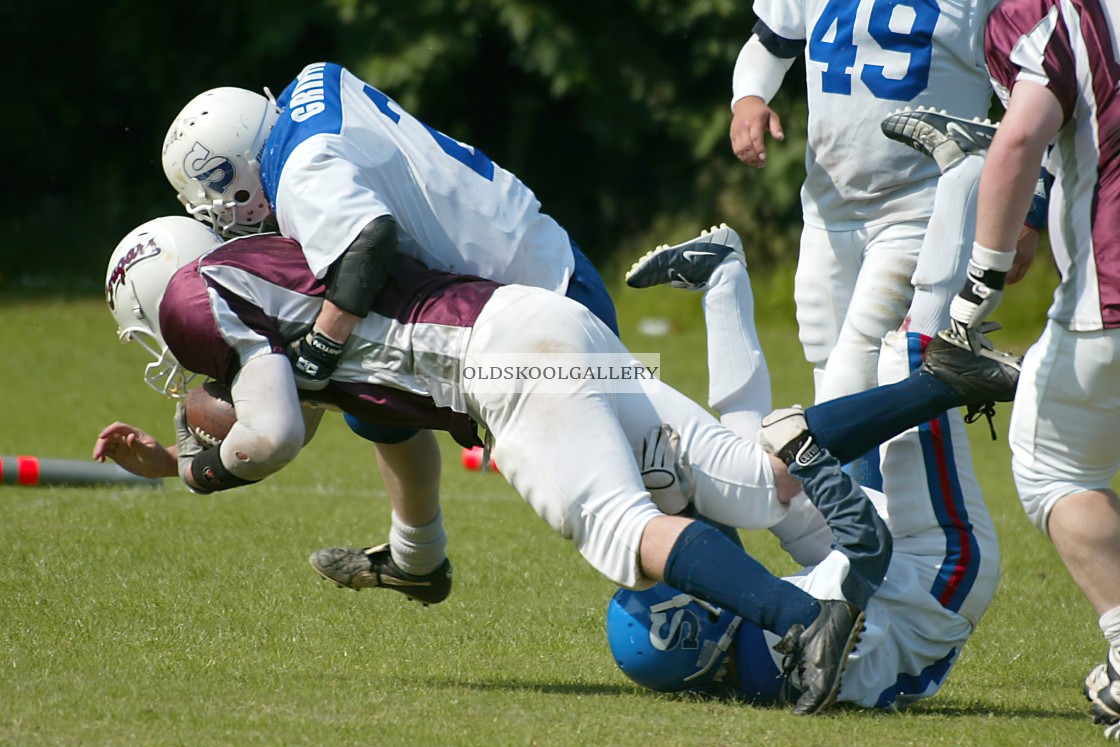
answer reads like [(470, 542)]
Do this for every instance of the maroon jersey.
[(1069, 47), (401, 366)]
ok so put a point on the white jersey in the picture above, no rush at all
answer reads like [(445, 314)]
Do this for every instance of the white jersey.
[(344, 153), (863, 60)]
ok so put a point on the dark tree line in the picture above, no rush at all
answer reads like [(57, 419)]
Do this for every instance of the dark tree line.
[(615, 113)]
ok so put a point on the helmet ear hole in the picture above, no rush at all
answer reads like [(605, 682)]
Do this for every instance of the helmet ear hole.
[(242, 196)]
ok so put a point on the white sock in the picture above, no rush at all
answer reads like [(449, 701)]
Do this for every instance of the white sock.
[(1110, 626), (418, 550)]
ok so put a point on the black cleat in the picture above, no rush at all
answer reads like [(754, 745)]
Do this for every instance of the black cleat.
[(819, 653), (373, 567), (941, 136), (979, 378), (688, 265)]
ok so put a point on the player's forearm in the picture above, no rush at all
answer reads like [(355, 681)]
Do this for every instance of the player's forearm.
[(1010, 174), (335, 323), (758, 72), (268, 434)]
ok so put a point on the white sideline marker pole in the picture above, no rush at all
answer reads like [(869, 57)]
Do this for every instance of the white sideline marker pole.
[(32, 471)]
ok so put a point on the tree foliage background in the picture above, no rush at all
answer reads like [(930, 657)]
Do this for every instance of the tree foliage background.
[(615, 113)]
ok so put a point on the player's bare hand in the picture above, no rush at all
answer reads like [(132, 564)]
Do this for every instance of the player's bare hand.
[(134, 450), (751, 121), (1025, 250)]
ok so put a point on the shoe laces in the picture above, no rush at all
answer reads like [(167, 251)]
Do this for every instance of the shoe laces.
[(987, 410), (790, 648)]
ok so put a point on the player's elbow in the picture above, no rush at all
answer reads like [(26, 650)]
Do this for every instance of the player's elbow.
[(261, 452)]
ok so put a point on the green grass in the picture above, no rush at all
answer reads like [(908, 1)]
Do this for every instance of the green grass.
[(160, 617)]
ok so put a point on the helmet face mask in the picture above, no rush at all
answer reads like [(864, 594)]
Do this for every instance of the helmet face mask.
[(669, 641), (211, 156), (139, 270)]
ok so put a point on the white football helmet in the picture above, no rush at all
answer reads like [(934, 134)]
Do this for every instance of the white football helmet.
[(211, 156), (139, 270)]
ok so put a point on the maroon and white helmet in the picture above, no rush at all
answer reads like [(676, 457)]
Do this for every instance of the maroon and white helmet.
[(139, 270), (211, 156)]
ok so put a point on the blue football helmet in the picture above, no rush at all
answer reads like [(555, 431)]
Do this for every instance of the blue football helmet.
[(669, 641)]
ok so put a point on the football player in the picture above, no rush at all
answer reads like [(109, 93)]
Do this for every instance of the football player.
[(342, 168), (1055, 66), (867, 202), (942, 575), (228, 312)]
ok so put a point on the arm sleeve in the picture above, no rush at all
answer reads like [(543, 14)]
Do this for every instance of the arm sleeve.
[(758, 71), (270, 428)]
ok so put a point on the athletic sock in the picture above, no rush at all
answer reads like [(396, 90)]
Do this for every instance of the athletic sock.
[(418, 550), (1110, 626), (851, 426), (708, 565)]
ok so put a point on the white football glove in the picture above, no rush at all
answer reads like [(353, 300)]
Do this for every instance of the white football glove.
[(983, 288), (665, 473)]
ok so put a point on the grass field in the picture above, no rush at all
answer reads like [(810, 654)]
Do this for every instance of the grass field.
[(158, 617)]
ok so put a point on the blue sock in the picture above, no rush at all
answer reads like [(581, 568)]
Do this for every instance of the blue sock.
[(851, 426), (708, 565)]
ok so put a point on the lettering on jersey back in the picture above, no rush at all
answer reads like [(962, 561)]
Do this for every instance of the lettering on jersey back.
[(307, 96)]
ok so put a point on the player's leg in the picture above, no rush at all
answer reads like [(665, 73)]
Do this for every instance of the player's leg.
[(933, 498), (714, 262), (1064, 458), (414, 560), (828, 265), (738, 378), (879, 302), (944, 254), (572, 458)]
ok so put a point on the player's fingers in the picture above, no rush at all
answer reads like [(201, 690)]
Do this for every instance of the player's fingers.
[(103, 445), (115, 429), (758, 142), (776, 130), (745, 150)]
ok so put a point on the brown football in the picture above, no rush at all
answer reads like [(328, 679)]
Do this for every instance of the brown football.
[(209, 412)]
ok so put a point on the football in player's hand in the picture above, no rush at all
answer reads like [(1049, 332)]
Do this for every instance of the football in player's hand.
[(209, 413)]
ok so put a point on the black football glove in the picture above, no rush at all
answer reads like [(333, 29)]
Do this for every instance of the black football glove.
[(314, 359)]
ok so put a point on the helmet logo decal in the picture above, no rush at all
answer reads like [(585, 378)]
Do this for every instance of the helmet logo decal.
[(683, 630), (117, 277), (213, 172)]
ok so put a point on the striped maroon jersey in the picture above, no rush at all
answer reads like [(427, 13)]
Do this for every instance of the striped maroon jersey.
[(1070, 47), (402, 364)]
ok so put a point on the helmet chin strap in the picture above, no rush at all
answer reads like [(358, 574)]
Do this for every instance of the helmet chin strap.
[(712, 652)]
